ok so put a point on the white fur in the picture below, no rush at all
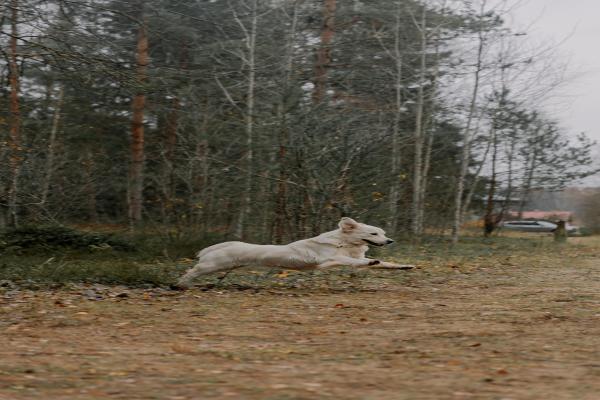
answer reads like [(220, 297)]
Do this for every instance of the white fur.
[(344, 246)]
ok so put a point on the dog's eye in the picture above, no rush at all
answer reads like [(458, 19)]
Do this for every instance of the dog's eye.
[(373, 234)]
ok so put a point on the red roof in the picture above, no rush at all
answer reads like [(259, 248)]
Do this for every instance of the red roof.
[(552, 215)]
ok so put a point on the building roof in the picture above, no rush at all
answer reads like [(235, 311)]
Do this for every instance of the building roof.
[(552, 215)]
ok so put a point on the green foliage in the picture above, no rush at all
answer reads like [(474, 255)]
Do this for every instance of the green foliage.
[(57, 254), (55, 237), (88, 268), (173, 244)]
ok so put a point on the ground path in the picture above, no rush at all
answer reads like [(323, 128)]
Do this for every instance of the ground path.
[(501, 331)]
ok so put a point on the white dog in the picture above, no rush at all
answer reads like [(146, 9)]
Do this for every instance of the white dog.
[(344, 246)]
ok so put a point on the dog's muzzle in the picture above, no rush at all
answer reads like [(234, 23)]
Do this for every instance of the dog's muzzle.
[(389, 241)]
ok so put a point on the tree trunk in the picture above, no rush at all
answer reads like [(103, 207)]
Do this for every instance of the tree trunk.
[(509, 179), (418, 133), (136, 170), (476, 176), (529, 172), (246, 208), (52, 146), (16, 151), (281, 200), (396, 140), (171, 132), (201, 183), (489, 221), (466, 150), (281, 215), (170, 146), (324, 53), (424, 177), (90, 188), (560, 233)]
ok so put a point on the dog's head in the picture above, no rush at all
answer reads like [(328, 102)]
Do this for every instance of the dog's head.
[(357, 233)]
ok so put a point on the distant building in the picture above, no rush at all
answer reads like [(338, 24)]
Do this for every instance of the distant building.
[(545, 215)]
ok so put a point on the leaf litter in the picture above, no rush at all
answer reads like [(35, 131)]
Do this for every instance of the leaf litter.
[(521, 326)]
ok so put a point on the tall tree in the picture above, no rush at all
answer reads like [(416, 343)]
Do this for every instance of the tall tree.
[(50, 157), (323, 61), (467, 134), (15, 145), (396, 162), (418, 135), (250, 64), (136, 169)]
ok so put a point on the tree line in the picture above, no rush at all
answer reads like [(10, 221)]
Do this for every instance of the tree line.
[(268, 120)]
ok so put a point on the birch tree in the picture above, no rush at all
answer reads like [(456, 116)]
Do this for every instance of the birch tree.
[(15, 143), (49, 168), (418, 135), (467, 133), (281, 213), (249, 59), (399, 108)]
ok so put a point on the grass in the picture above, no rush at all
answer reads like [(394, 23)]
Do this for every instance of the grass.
[(157, 260)]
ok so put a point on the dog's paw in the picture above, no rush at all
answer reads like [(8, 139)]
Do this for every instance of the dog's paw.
[(374, 262)]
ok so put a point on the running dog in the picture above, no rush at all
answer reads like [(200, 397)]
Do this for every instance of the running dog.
[(344, 246)]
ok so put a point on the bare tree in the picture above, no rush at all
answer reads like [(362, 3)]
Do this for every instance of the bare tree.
[(467, 134), (15, 145), (250, 63), (396, 155), (323, 61), (52, 146), (418, 134), (136, 170), (282, 116)]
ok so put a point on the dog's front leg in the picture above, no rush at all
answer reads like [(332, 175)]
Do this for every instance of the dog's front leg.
[(349, 261), (391, 265)]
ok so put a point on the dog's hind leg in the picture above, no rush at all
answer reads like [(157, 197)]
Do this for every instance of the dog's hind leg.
[(222, 278), (202, 268)]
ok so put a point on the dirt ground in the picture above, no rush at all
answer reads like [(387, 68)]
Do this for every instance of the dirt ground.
[(514, 328)]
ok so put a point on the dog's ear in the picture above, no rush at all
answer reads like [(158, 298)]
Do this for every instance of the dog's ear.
[(347, 224)]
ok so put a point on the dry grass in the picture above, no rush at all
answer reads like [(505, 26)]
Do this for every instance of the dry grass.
[(476, 325)]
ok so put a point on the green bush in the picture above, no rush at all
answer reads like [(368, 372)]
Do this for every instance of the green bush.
[(60, 237), (93, 268)]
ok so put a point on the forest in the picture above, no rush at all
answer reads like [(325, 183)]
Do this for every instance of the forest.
[(268, 120)]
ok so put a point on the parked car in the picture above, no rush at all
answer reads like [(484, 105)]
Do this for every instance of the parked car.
[(537, 226), (530, 226)]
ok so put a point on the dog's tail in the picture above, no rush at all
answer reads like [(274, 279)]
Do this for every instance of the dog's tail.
[(209, 249)]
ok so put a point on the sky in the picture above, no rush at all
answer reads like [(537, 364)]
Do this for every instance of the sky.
[(574, 26)]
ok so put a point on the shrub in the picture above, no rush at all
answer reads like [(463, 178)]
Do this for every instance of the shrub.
[(49, 237)]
